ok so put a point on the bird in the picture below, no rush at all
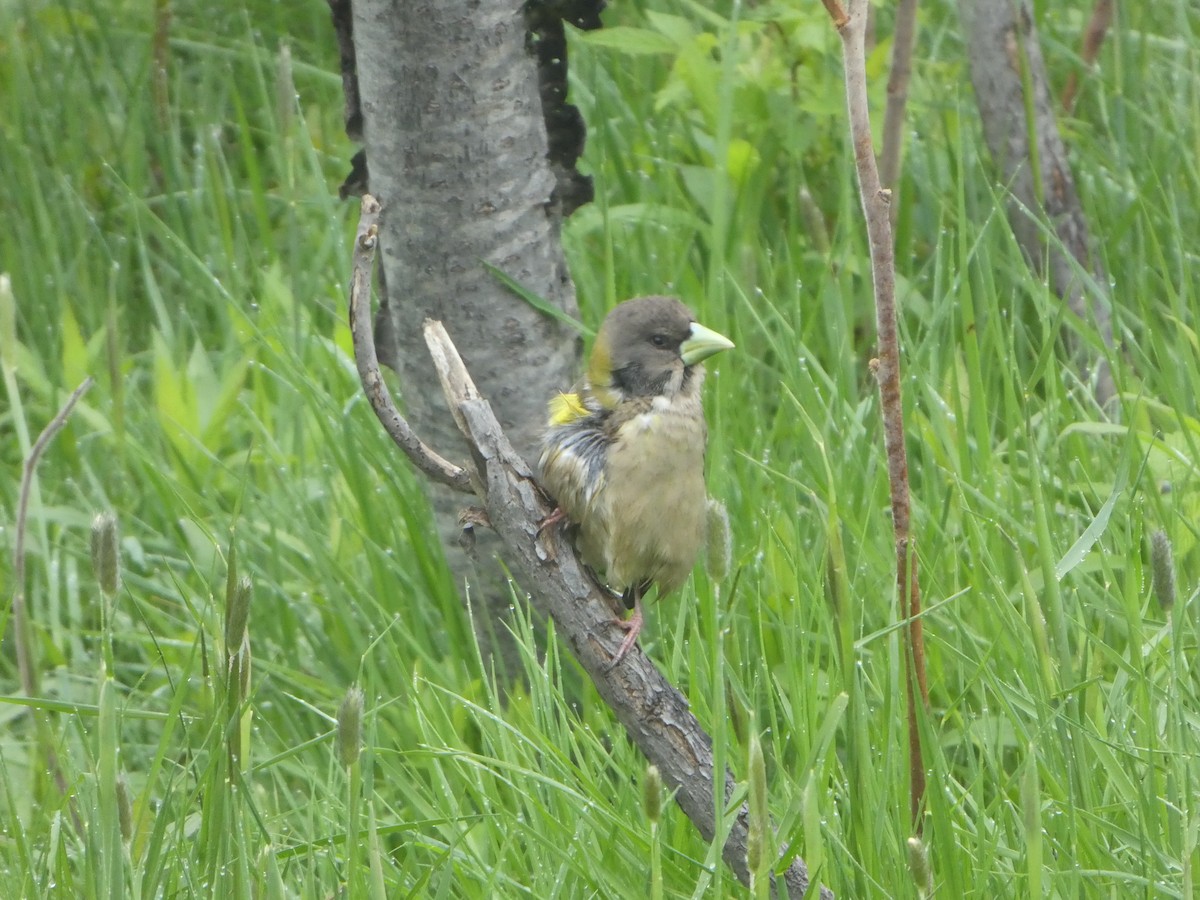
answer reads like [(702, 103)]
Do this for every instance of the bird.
[(623, 453)]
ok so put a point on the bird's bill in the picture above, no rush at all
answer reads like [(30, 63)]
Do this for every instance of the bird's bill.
[(701, 343)]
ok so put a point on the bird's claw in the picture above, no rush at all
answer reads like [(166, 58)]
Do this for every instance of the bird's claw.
[(558, 515), (632, 628)]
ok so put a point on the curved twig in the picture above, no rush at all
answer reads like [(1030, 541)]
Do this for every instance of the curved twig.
[(422, 456), (652, 711)]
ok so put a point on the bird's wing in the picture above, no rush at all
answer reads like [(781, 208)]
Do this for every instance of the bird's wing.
[(574, 450)]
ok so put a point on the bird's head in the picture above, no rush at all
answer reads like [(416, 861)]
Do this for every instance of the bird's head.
[(649, 347)]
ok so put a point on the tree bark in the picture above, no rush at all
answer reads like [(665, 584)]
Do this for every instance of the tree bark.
[(457, 149), (1015, 104)]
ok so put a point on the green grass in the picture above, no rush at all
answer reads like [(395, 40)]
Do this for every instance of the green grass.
[(188, 251)]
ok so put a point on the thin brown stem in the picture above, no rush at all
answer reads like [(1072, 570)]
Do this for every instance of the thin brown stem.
[(903, 40), (1093, 39), (876, 203), (835, 12), (397, 427)]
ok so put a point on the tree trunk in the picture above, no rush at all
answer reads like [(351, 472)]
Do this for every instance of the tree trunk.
[(1006, 62), (457, 152)]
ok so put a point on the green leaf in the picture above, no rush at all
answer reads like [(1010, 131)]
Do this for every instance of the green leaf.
[(8, 322), (1080, 549), (174, 400), (591, 219), (628, 40), (677, 29), (541, 304), (74, 349)]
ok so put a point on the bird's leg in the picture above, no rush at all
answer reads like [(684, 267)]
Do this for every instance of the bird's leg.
[(631, 626), (557, 515)]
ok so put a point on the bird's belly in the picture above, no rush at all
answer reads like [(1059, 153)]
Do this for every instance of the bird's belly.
[(657, 502)]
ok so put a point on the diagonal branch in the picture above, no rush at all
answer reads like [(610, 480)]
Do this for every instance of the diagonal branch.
[(652, 711)]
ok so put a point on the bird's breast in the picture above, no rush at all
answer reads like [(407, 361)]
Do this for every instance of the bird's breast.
[(657, 499)]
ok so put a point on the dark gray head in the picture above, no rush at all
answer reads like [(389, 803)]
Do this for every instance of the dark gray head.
[(646, 347)]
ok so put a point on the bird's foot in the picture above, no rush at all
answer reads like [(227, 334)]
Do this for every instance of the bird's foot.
[(558, 515), (632, 628)]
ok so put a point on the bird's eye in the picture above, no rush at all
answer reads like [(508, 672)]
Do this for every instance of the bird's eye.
[(658, 340)]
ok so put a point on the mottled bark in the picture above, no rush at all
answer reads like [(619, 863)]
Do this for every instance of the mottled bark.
[(1013, 94), (457, 149)]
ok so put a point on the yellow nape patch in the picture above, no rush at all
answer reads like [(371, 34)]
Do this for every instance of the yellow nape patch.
[(565, 409)]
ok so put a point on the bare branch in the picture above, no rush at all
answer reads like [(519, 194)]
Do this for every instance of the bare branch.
[(835, 12), (876, 202), (1093, 38), (897, 95), (397, 427)]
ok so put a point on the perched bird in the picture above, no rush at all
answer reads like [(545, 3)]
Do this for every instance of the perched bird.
[(623, 454)]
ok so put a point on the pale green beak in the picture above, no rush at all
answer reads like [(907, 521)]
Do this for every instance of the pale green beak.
[(702, 343)]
